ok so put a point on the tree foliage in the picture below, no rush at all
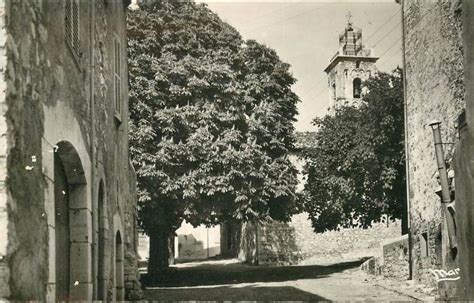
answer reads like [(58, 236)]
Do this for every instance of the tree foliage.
[(355, 164), (211, 120)]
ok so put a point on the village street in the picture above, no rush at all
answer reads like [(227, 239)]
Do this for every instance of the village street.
[(231, 280)]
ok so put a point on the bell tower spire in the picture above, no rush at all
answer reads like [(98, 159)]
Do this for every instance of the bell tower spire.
[(349, 67), (349, 18)]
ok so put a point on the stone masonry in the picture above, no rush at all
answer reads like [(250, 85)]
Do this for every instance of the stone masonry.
[(67, 189), (351, 65), (395, 258), (344, 244), (434, 91), (464, 164), (272, 243), (295, 242)]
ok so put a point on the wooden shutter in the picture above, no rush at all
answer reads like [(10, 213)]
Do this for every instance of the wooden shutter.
[(117, 76), (71, 23)]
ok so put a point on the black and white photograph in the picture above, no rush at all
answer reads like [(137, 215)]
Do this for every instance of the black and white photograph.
[(236, 150)]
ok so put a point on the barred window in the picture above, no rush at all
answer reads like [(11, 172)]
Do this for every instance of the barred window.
[(117, 77), (72, 25)]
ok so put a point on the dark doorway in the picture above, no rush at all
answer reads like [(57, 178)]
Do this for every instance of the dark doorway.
[(119, 283), (72, 241), (102, 217), (61, 208)]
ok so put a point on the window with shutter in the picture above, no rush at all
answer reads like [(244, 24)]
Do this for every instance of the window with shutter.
[(71, 26), (117, 77)]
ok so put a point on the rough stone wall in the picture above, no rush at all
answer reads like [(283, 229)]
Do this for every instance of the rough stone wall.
[(4, 272), (27, 253), (464, 164), (334, 246), (271, 243), (395, 259), (52, 96), (464, 168), (435, 91), (111, 141), (277, 244), (295, 242), (133, 289)]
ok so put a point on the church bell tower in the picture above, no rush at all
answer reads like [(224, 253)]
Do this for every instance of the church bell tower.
[(349, 68)]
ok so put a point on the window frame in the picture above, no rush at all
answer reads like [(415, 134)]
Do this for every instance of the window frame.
[(117, 78), (72, 21)]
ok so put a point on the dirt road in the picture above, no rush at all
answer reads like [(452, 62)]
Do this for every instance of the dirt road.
[(233, 281)]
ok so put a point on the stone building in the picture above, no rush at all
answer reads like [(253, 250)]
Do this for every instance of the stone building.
[(349, 67), (67, 190), (434, 91), (464, 160)]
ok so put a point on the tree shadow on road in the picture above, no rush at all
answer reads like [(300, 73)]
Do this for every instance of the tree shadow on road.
[(232, 293), (236, 273)]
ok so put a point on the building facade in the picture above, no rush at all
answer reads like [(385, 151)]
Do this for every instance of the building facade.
[(464, 161), (349, 68), (434, 92), (67, 190)]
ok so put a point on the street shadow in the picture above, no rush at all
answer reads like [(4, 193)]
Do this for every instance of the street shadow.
[(236, 273), (246, 293)]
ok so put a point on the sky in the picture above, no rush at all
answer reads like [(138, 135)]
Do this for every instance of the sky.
[(305, 34)]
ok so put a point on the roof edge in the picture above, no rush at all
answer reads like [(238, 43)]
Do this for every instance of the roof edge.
[(349, 58)]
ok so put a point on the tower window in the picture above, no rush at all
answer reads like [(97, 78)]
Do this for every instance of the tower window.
[(334, 91), (357, 87), (357, 64)]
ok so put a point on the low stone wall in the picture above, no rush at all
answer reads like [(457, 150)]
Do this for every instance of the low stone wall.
[(277, 245), (272, 243), (345, 244), (393, 262), (395, 258), (295, 242)]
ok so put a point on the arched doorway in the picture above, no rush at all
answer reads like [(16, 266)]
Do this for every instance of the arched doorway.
[(72, 229), (119, 282)]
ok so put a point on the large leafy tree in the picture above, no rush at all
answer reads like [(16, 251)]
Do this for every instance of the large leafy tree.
[(355, 164), (211, 123)]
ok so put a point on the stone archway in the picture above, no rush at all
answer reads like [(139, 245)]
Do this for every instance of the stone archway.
[(119, 275), (73, 225)]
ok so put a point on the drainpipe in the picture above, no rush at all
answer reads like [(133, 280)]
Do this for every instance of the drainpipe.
[(445, 188), (92, 152)]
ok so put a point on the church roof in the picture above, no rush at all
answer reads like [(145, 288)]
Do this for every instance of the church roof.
[(338, 58)]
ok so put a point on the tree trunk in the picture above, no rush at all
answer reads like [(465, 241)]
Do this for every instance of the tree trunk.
[(171, 259), (159, 253)]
